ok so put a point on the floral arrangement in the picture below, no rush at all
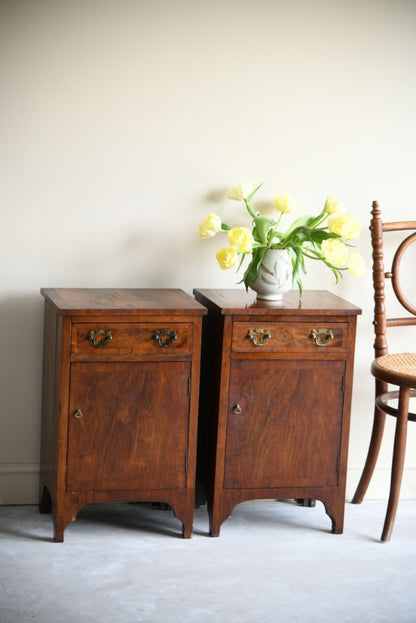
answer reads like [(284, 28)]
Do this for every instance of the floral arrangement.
[(325, 237)]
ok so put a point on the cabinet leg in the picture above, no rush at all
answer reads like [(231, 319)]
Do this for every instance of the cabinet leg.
[(214, 523), (59, 526), (187, 530), (184, 511), (218, 512), (335, 510), (187, 518), (61, 518), (337, 527)]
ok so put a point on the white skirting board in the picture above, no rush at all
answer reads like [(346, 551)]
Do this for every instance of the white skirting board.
[(19, 483), (380, 483)]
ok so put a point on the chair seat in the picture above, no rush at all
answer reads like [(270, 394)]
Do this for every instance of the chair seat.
[(399, 369)]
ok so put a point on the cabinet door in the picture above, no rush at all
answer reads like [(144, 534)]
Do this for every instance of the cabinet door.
[(284, 424), (128, 426)]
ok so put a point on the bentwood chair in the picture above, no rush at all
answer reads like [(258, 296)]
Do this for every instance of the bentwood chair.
[(398, 370)]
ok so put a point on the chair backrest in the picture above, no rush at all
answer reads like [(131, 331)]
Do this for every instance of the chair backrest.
[(381, 320)]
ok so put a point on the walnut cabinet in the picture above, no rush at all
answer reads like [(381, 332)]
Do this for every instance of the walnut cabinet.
[(120, 400), (276, 389)]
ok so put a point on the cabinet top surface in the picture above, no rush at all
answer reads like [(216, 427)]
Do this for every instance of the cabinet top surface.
[(122, 300), (241, 302)]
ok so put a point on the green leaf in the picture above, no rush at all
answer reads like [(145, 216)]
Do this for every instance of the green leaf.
[(252, 269), (251, 195), (303, 221), (302, 234), (296, 277), (319, 235), (241, 261), (300, 286), (262, 225)]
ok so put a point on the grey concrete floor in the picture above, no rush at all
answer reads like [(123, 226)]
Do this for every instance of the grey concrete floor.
[(274, 562)]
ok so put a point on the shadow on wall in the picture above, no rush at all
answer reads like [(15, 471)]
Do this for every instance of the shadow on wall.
[(141, 259), (21, 321)]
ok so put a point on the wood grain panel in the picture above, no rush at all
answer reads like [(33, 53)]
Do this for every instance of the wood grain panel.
[(288, 432), (129, 340), (133, 431)]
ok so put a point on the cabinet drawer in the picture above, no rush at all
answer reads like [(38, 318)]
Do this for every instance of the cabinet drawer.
[(95, 341), (294, 337)]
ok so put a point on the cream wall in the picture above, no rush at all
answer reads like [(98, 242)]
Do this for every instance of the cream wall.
[(123, 123)]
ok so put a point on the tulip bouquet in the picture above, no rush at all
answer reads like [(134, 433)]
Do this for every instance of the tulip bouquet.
[(325, 237)]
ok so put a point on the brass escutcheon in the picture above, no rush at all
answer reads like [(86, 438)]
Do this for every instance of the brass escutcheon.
[(259, 336), (322, 337)]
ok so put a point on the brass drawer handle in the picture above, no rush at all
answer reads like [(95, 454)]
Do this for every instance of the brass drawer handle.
[(259, 337), (237, 409), (322, 337), (99, 337), (78, 414), (164, 337)]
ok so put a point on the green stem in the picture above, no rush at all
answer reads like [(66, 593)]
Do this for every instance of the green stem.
[(278, 220), (319, 219), (250, 209)]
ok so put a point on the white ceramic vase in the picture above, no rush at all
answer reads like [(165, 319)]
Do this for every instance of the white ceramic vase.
[(275, 275)]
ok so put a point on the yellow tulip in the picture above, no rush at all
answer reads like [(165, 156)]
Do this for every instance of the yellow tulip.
[(356, 265), (345, 226), (241, 192), (210, 226), (285, 204), (241, 239), (333, 205), (227, 258), (335, 251)]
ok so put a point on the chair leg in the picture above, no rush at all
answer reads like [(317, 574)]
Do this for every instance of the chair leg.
[(372, 455), (398, 462)]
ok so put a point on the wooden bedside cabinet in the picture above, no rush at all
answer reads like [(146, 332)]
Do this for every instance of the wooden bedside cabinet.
[(120, 400), (276, 387)]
